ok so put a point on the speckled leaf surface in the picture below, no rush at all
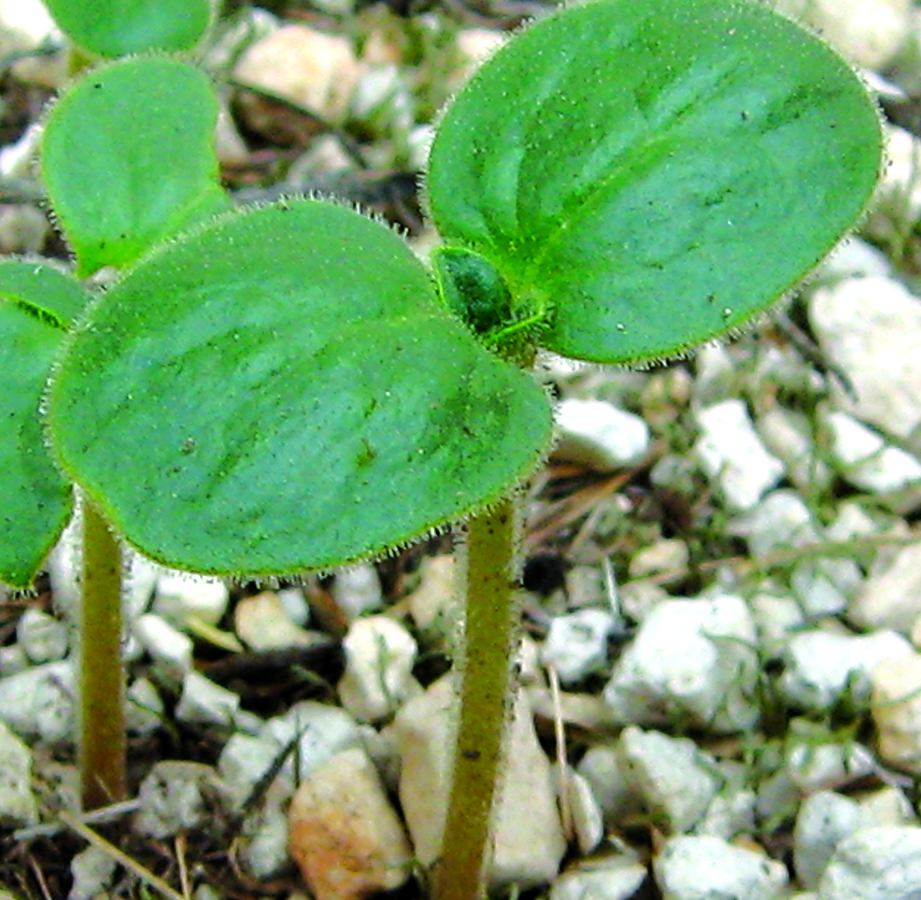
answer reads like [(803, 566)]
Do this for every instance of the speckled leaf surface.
[(652, 174), (282, 391), (37, 302), (128, 158)]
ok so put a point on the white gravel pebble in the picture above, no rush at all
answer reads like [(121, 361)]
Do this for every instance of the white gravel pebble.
[(860, 323), (205, 703), (587, 816), (295, 605), (887, 806), (665, 555), (891, 595), (717, 376), (321, 730), (809, 765), (176, 795), (13, 659), (357, 590), (820, 666), (166, 644), (732, 455), (263, 624), (868, 32), (706, 867), (610, 879), (854, 258), (813, 766), (898, 195), (602, 768), (264, 846), (788, 435), (823, 819), (39, 703), (311, 68), (42, 637), (896, 710), (577, 643), (672, 778), (180, 596), (24, 24), (18, 807), (675, 472), (783, 522), (244, 760), (876, 863), (63, 564), (781, 369), (139, 582), (777, 616), (145, 707), (92, 869), (598, 435), (732, 812), (379, 658), (866, 461), (694, 660)]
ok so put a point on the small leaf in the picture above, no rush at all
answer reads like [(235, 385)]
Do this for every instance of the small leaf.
[(283, 391), (115, 28), (472, 289), (36, 303), (652, 173), (128, 159)]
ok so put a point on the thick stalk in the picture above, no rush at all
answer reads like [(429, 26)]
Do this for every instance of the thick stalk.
[(490, 645), (102, 716)]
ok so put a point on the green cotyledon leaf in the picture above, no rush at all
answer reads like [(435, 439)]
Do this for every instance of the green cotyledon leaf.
[(115, 28), (282, 391), (128, 158), (37, 303), (648, 174)]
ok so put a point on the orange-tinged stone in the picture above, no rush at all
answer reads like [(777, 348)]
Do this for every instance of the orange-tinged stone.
[(343, 832)]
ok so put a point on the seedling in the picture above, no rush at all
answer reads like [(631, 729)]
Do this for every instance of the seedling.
[(288, 388)]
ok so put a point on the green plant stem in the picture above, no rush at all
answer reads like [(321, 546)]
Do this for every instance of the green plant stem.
[(102, 715), (490, 643)]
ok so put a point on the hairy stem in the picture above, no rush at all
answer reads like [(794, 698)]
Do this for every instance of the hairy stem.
[(490, 642), (102, 716)]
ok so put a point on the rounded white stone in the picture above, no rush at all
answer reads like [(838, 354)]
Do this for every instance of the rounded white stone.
[(823, 819), (876, 863), (896, 710), (43, 637), (704, 867), (691, 660), (577, 643), (733, 456), (598, 435), (379, 658)]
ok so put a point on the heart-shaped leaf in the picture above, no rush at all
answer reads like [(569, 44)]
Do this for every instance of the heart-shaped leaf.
[(37, 302), (115, 28), (282, 391), (128, 158), (650, 173)]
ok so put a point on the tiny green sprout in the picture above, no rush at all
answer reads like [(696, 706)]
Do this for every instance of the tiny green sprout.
[(283, 388), (474, 290)]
